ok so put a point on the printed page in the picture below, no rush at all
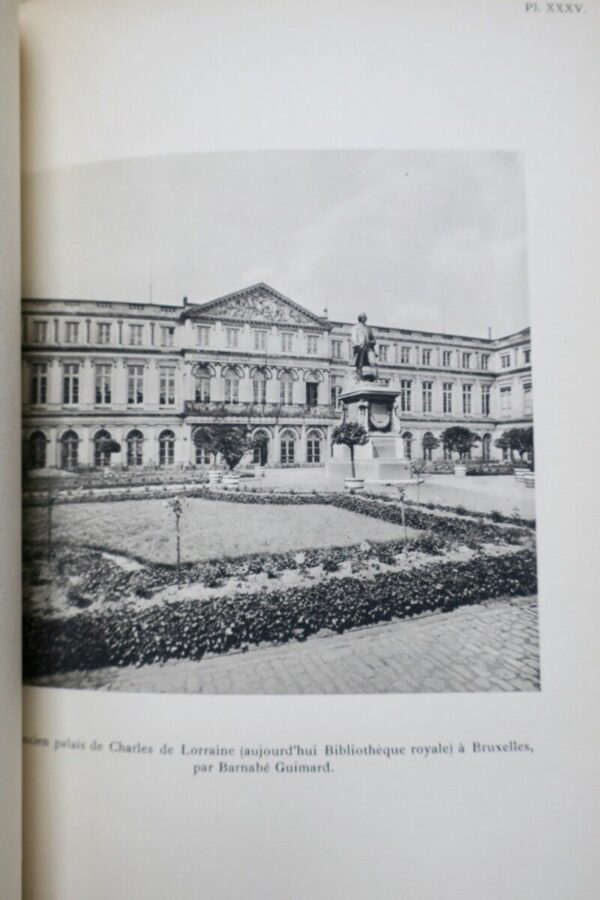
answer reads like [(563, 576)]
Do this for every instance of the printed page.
[(307, 611), (10, 555)]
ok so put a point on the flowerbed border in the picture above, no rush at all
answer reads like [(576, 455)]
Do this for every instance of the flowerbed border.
[(187, 629)]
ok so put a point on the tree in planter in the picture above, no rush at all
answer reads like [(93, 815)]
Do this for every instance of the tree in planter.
[(107, 446), (231, 442), (429, 443), (517, 440), (459, 439), (351, 435)]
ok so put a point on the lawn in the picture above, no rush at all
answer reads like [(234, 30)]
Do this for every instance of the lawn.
[(209, 528)]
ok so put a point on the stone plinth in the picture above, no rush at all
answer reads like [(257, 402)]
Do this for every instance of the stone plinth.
[(372, 405)]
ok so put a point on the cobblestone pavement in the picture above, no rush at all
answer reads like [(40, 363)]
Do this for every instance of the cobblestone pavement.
[(490, 647)]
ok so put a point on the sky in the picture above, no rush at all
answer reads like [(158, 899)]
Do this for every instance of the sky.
[(430, 240)]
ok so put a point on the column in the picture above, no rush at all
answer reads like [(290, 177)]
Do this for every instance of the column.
[(52, 455), (217, 390)]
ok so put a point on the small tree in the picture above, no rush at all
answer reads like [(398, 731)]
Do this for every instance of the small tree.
[(108, 446), (429, 443), (459, 439), (351, 435), (517, 440), (232, 442), (176, 507), (205, 437)]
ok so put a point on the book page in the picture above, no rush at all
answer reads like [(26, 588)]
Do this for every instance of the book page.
[(305, 614), (10, 555)]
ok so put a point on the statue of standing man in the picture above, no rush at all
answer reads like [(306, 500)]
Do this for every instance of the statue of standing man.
[(363, 345)]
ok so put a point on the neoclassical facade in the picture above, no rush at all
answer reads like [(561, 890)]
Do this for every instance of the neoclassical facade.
[(148, 376)]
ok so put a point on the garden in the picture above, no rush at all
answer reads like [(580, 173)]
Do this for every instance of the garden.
[(147, 579)]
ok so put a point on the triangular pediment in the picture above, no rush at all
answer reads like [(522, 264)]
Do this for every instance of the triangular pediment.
[(258, 303)]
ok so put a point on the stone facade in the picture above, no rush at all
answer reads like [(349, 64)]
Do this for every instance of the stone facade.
[(148, 375)]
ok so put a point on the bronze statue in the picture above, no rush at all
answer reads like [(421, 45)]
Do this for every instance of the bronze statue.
[(363, 345)]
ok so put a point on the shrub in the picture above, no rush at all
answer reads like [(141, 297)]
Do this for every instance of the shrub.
[(188, 629)]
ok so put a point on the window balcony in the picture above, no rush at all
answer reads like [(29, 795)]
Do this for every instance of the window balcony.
[(219, 409)]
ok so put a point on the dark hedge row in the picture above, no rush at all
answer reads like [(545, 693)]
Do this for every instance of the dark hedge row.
[(494, 515), (190, 629)]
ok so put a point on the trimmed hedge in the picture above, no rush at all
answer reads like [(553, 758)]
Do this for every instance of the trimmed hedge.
[(189, 629)]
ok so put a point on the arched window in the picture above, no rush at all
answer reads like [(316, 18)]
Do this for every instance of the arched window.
[(101, 453), (486, 446), (313, 447), (259, 386), (287, 448), (286, 389), (166, 448), (202, 384), (135, 448), (428, 442), (38, 450), (201, 441), (69, 450), (260, 453), (408, 439)]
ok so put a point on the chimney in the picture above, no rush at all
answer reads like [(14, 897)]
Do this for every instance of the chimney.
[(185, 301)]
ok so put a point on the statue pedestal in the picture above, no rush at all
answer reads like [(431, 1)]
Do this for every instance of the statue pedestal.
[(371, 404)]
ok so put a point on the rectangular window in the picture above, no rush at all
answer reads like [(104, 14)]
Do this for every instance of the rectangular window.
[(260, 340), (136, 335), (135, 385), (71, 332), (312, 343), (467, 399), (466, 360), (485, 399), (527, 356), (232, 337), (426, 357), (259, 390), (405, 396), (447, 396), (203, 335), (232, 389), (527, 400), (405, 356), (427, 396), (505, 360), (71, 384), (447, 358), (286, 392), (336, 389), (336, 349), (103, 333), (286, 341), (39, 384), (202, 390), (505, 400), (485, 360), (383, 352), (312, 393), (40, 332), (167, 335), (103, 384), (167, 386)]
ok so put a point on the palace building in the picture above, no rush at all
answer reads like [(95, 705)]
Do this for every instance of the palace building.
[(148, 376)]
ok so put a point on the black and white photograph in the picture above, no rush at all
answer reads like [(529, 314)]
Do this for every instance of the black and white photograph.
[(278, 424)]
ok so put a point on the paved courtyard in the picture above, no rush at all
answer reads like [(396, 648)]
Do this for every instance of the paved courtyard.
[(490, 647), (481, 493)]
